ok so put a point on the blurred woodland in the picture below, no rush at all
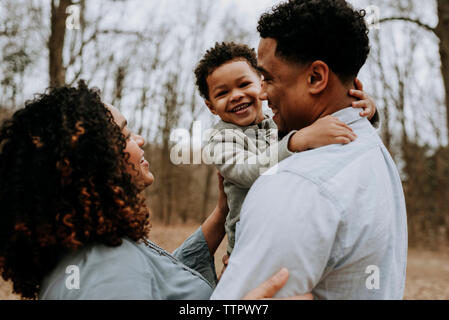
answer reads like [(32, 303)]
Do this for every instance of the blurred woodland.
[(146, 70)]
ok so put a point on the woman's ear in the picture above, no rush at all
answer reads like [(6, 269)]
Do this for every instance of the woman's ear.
[(318, 77), (210, 106)]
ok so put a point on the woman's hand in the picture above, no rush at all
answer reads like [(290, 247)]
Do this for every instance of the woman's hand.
[(225, 261), (222, 203), (365, 101), (213, 228), (271, 286)]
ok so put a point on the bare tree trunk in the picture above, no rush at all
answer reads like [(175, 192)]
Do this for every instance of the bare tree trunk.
[(386, 132), (165, 175), (56, 42), (119, 85), (169, 200), (442, 31), (170, 117)]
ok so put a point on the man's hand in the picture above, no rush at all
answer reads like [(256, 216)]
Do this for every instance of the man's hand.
[(271, 286)]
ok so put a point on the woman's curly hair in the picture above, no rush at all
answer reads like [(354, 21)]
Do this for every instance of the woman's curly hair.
[(63, 184), (217, 56), (327, 30)]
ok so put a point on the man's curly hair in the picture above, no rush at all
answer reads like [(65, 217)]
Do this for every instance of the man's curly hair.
[(218, 55), (327, 30), (63, 184)]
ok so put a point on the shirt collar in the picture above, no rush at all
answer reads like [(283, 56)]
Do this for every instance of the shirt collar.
[(266, 123), (348, 115)]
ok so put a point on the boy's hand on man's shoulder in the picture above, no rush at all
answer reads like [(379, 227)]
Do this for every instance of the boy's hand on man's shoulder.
[(325, 131)]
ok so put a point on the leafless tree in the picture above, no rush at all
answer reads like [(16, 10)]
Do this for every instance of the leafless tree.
[(441, 31)]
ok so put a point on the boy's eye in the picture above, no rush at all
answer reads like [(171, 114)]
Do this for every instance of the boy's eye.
[(244, 84), (127, 136), (221, 93)]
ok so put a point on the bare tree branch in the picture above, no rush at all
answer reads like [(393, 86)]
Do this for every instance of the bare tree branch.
[(137, 34), (407, 19)]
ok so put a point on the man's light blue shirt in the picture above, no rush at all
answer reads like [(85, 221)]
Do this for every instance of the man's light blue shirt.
[(334, 216)]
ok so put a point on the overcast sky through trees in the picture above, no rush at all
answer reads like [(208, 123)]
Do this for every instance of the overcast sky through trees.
[(424, 99)]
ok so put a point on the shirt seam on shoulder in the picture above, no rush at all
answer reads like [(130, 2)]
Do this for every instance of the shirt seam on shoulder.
[(323, 190), (320, 182), (327, 194)]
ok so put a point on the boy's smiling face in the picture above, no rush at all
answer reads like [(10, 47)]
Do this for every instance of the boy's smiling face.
[(234, 89)]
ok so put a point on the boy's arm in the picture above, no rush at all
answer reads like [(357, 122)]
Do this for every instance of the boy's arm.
[(241, 164), (324, 131)]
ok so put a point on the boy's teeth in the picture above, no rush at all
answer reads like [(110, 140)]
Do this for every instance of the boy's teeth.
[(240, 108)]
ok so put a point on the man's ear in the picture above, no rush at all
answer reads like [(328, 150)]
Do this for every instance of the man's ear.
[(210, 106), (318, 77)]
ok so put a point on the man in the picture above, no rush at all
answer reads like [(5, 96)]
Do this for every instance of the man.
[(334, 216)]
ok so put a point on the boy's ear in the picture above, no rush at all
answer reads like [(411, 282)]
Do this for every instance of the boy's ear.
[(318, 77), (210, 106)]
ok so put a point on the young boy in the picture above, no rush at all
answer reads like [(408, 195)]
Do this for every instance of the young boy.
[(244, 142)]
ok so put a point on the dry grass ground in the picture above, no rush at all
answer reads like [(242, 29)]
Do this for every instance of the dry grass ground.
[(427, 271)]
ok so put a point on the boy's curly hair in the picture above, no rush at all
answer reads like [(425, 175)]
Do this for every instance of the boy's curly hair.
[(218, 55), (63, 184), (327, 30)]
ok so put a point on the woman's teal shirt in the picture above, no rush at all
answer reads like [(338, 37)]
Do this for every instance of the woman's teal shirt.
[(134, 271)]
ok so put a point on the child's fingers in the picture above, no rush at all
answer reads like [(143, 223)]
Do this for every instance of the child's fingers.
[(360, 104), (359, 94), (343, 140), (344, 125), (346, 136), (358, 84), (365, 105), (339, 127), (349, 135), (365, 113), (334, 121), (344, 133)]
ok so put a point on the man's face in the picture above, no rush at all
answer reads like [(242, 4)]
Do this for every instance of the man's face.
[(285, 88)]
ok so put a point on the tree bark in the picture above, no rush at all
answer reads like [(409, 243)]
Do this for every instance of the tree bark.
[(442, 31), (56, 42), (170, 117), (119, 86)]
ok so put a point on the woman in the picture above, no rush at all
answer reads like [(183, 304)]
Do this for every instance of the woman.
[(70, 177)]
